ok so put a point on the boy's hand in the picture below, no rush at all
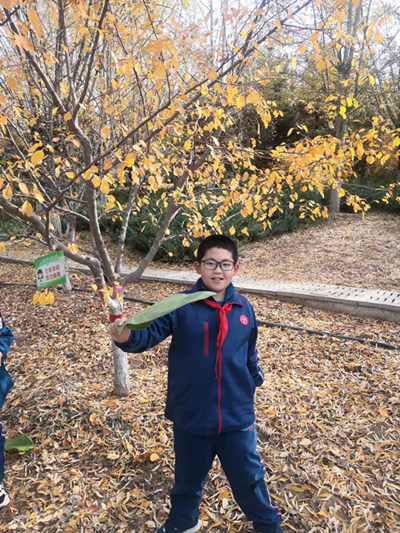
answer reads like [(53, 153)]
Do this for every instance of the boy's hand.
[(113, 330)]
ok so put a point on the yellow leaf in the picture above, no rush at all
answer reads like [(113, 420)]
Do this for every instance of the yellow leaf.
[(384, 413), (224, 493), (35, 22), (23, 188), (38, 195), (396, 141), (37, 157), (278, 69), (240, 101), (67, 116), (371, 79), (232, 92), (7, 192), (104, 187), (253, 98), (2, 247), (186, 243), (160, 72), (27, 209), (12, 83), (129, 159), (70, 175), (155, 45), (212, 75), (293, 61), (278, 24), (203, 89), (245, 232), (105, 132), (22, 42), (96, 181), (187, 145), (173, 51), (303, 48), (154, 457), (232, 230), (53, 15), (42, 298), (36, 297), (50, 298), (72, 247), (8, 3)]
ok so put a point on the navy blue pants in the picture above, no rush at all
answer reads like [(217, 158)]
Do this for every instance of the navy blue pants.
[(2, 441), (242, 465)]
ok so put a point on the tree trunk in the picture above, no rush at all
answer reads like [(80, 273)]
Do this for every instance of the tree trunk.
[(71, 228), (56, 221), (67, 287), (121, 372), (121, 366), (334, 204)]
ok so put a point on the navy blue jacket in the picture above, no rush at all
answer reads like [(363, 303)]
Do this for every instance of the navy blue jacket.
[(212, 362), (6, 339)]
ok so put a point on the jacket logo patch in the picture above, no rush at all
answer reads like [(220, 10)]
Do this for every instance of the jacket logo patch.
[(244, 320)]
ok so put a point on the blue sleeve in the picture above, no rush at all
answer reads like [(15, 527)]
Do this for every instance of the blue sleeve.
[(144, 339), (252, 358), (6, 339)]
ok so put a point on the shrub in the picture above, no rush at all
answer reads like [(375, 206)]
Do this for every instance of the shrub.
[(11, 226), (144, 225)]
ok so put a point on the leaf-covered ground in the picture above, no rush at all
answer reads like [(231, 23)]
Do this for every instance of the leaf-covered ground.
[(328, 413)]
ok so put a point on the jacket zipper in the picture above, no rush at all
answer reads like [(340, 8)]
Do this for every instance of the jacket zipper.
[(206, 339)]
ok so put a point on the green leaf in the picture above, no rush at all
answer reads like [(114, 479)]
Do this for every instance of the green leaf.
[(22, 443), (145, 318)]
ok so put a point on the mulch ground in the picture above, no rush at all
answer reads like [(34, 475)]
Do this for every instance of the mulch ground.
[(328, 413)]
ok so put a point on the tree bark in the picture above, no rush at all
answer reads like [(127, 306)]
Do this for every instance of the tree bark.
[(67, 287), (334, 203), (121, 372)]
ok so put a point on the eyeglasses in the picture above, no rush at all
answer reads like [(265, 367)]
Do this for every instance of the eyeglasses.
[(212, 264)]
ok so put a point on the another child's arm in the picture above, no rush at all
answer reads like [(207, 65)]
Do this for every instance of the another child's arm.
[(6, 338)]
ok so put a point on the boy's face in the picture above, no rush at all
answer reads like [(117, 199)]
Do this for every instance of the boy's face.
[(218, 279)]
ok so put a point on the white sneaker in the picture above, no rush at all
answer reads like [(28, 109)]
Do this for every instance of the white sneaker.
[(4, 497)]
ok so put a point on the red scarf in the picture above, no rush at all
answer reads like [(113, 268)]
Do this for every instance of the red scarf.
[(222, 311)]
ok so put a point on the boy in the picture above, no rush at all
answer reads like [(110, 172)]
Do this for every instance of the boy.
[(6, 339), (212, 374)]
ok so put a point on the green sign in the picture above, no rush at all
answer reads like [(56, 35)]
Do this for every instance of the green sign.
[(50, 270)]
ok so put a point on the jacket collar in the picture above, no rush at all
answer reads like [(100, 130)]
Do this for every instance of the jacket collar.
[(230, 290)]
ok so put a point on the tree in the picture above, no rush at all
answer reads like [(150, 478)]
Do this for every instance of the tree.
[(109, 95), (332, 79), (386, 70)]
